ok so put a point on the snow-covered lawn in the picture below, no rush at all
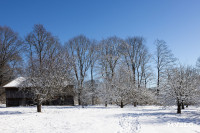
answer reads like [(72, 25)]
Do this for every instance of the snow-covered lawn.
[(98, 119)]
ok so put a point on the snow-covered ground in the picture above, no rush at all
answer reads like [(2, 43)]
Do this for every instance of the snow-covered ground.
[(98, 119)]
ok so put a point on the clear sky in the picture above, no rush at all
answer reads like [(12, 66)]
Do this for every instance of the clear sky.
[(175, 21)]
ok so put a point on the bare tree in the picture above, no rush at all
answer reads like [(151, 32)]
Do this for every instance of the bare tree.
[(108, 60), (146, 96), (48, 72), (93, 51), (11, 48), (164, 59), (191, 88), (125, 92), (181, 87), (123, 87), (79, 50), (147, 74), (137, 59), (132, 51), (143, 67), (10, 54)]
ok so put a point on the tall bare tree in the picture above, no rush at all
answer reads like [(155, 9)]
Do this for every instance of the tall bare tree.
[(133, 52), (164, 59), (143, 66), (109, 58), (146, 74), (79, 50), (93, 51), (48, 70), (137, 58), (10, 54), (11, 48)]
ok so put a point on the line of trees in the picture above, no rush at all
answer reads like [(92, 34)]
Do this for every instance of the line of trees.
[(111, 71)]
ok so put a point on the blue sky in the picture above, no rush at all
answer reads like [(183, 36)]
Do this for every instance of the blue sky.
[(175, 21)]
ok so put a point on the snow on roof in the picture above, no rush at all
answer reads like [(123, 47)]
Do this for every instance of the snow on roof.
[(18, 81), (15, 83)]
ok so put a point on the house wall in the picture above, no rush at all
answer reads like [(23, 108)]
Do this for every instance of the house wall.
[(16, 97), (2, 95), (14, 93)]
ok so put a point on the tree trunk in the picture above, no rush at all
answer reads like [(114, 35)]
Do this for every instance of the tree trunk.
[(106, 104), (92, 100), (182, 105), (121, 105), (134, 81), (39, 106), (178, 107), (158, 82), (82, 105), (145, 83), (79, 99), (135, 104), (92, 83)]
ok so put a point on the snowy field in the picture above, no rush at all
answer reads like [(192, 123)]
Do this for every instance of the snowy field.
[(98, 119)]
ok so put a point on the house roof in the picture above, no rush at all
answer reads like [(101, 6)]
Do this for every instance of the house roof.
[(15, 83), (18, 82)]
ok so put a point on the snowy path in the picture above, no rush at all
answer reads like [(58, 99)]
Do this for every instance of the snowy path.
[(98, 119)]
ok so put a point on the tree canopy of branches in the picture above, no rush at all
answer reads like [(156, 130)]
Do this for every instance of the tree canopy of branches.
[(79, 50), (181, 87), (123, 88), (108, 60), (49, 68), (10, 54), (112, 70), (93, 59)]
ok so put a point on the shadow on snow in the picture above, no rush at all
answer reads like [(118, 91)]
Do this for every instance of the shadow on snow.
[(10, 112), (164, 118)]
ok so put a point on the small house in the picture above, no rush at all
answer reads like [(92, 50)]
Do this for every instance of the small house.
[(17, 97)]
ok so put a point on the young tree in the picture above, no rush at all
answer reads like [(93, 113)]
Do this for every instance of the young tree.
[(146, 96), (123, 87), (125, 91), (181, 86), (90, 92), (191, 88)]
